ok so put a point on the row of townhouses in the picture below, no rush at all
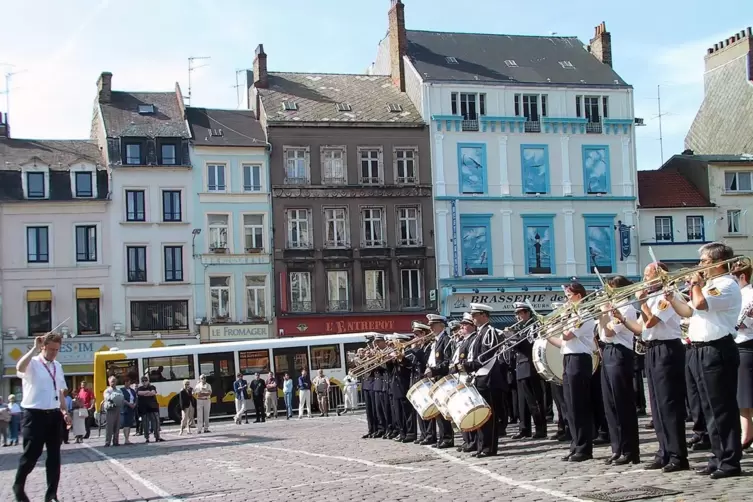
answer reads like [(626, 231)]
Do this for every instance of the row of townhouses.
[(457, 168)]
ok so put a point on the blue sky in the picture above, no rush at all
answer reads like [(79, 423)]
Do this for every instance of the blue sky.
[(58, 49)]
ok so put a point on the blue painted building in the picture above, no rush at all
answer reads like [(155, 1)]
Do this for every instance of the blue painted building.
[(231, 232)]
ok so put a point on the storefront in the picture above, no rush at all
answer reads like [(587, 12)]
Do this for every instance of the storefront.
[(340, 324), (213, 333), (502, 302)]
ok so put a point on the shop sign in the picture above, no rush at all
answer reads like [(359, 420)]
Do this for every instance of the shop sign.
[(503, 302), (342, 325), (238, 332)]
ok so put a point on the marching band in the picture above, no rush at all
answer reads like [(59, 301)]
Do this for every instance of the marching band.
[(457, 376)]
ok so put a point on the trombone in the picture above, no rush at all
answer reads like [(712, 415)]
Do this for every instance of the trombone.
[(388, 354)]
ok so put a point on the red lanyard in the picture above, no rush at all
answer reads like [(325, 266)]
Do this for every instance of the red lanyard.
[(53, 374)]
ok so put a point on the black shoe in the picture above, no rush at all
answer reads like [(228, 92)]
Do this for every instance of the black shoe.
[(469, 448), (566, 458), (600, 441), (556, 437), (705, 471), (426, 442), (539, 435), (627, 459), (701, 446), (460, 448), (446, 444), (20, 494), (484, 454), (719, 474), (417, 441), (695, 439), (366, 436), (655, 465), (580, 457), (611, 459), (521, 435), (676, 467), (407, 440), (377, 435)]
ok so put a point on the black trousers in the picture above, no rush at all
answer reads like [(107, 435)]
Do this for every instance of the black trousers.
[(40, 429), (618, 395), (259, 408), (512, 404), (640, 393), (665, 370), (577, 390), (368, 397), (409, 418), (693, 399), (389, 412), (548, 399), (443, 429), (380, 398), (558, 395), (399, 408), (469, 440), (531, 404), (487, 437), (600, 426), (714, 366), (501, 399)]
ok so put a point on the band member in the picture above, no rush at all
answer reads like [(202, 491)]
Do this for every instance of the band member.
[(405, 421), (659, 328), (368, 396), (437, 367), (379, 392), (467, 333), (715, 358), (744, 340), (700, 439), (600, 427), (530, 390), (387, 380), (617, 372), (416, 357)]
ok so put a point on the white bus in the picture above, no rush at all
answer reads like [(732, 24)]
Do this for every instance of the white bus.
[(167, 367)]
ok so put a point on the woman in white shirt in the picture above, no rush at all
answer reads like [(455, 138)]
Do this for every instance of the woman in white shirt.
[(744, 340), (617, 370), (577, 345), (15, 420)]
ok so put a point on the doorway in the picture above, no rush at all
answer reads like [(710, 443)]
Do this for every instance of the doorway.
[(219, 368), (291, 360)]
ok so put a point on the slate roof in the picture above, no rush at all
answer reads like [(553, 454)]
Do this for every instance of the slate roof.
[(122, 118), (481, 58), (235, 127), (317, 96), (667, 188), (744, 158), (57, 154)]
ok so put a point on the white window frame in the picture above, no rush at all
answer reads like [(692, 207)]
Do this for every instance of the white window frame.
[(228, 309), (332, 220), (368, 216), (304, 293), (401, 217), (217, 228), (400, 159), (147, 262), (162, 154), (334, 165), (698, 221), (293, 156), (145, 190), (99, 238), (141, 153), (84, 168), (420, 286), (663, 221), (374, 156), (217, 167), (737, 181), (25, 181), (253, 226), (50, 246), (732, 228), (250, 167), (374, 294), (184, 270), (260, 293), (334, 300), (293, 215)]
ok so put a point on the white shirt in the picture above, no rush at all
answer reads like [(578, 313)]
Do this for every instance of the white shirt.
[(723, 298), (745, 333), (668, 327), (432, 363), (583, 343), (39, 389), (622, 335)]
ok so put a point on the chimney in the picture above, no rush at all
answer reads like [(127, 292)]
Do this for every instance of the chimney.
[(398, 44), (4, 126), (731, 48), (261, 79), (104, 86), (601, 44)]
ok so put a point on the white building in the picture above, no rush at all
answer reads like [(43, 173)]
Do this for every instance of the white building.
[(533, 160)]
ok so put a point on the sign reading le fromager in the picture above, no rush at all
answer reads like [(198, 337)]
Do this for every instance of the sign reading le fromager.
[(239, 332), (503, 302)]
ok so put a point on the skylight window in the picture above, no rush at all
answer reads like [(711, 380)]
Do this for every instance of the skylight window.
[(343, 107), (216, 133), (394, 107), (511, 63), (567, 65), (146, 109), (451, 60), (289, 106)]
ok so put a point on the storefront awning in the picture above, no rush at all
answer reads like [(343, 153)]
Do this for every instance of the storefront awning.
[(87, 293), (39, 295)]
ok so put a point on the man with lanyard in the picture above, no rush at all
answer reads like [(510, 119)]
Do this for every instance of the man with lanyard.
[(714, 359), (468, 335), (416, 358), (44, 413), (437, 367), (239, 389)]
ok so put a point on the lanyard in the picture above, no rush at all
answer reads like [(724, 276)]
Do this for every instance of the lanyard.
[(53, 374)]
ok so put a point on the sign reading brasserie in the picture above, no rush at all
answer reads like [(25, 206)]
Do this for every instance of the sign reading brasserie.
[(239, 332), (503, 302)]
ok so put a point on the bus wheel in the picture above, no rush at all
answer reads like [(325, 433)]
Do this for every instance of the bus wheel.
[(173, 410)]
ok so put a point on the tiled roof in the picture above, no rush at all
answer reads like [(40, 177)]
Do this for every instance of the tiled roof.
[(122, 117), (57, 154), (211, 127), (482, 58), (667, 188), (317, 96)]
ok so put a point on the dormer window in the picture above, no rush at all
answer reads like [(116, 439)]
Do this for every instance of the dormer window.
[(451, 60), (35, 186), (84, 184), (168, 152), (343, 107), (133, 154), (146, 109), (511, 63), (567, 65)]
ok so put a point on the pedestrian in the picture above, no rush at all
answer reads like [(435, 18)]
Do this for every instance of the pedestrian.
[(4, 421), (43, 384), (321, 384), (79, 418), (350, 393), (149, 409), (203, 394), (86, 396), (287, 390), (69, 407), (270, 396), (257, 392), (304, 393), (187, 404), (15, 419), (112, 404), (128, 413), (240, 386)]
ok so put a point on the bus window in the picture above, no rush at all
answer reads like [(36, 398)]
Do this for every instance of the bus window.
[(121, 368), (350, 353), (325, 357), (253, 361), (170, 368)]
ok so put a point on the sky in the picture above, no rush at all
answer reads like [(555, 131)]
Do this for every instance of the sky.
[(56, 50)]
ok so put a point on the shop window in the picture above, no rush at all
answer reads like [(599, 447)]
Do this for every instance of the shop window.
[(325, 357)]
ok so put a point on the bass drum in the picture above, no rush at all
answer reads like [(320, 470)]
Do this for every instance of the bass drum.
[(468, 409), (441, 392), (550, 363), (418, 395)]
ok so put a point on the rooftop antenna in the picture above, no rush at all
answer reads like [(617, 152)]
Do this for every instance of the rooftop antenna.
[(191, 69), (8, 77), (238, 87), (659, 116)]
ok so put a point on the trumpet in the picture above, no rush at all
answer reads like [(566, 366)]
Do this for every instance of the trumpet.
[(389, 354)]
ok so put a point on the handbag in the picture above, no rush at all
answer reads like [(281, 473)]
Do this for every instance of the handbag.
[(82, 413)]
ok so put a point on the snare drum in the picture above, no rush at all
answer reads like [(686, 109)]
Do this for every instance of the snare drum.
[(550, 363), (441, 392), (418, 395), (468, 409)]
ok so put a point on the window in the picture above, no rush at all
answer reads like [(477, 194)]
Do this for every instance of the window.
[(169, 368), (696, 230), (289, 106), (87, 316), (663, 228), (333, 166), (296, 166), (373, 227), (600, 243), (133, 154), (300, 292), (156, 316), (123, 368), (476, 244), (532, 107), (146, 109), (472, 168), (408, 226), (596, 169), (534, 160), (567, 65), (591, 111), (218, 229), (39, 317), (510, 63), (86, 243), (734, 217), (739, 181), (253, 231), (135, 205), (37, 244), (256, 286), (406, 166), (173, 263), (470, 106), (251, 178), (215, 177), (219, 295), (136, 257), (298, 229), (371, 166), (168, 154), (344, 107), (84, 185), (325, 357), (451, 60), (411, 289), (376, 296), (538, 238), (337, 291), (35, 186), (171, 210), (336, 227), (253, 361)]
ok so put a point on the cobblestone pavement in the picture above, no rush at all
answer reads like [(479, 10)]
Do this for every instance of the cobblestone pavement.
[(325, 460)]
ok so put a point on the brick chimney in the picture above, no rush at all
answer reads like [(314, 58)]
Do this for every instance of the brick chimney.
[(261, 79), (104, 86), (4, 126), (398, 44), (739, 44), (601, 44)]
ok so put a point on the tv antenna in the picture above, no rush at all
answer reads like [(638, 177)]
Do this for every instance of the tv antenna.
[(238, 87), (8, 77), (191, 69), (659, 116)]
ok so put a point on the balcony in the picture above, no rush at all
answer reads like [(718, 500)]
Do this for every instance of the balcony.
[(293, 180), (301, 307), (375, 305), (298, 244), (593, 128), (533, 126), (406, 180), (336, 244), (338, 305), (695, 237), (412, 303), (371, 180), (334, 180), (470, 125)]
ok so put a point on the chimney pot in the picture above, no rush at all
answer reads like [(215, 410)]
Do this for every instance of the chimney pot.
[(710, 50), (749, 31), (398, 39), (601, 45), (261, 78), (104, 86)]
